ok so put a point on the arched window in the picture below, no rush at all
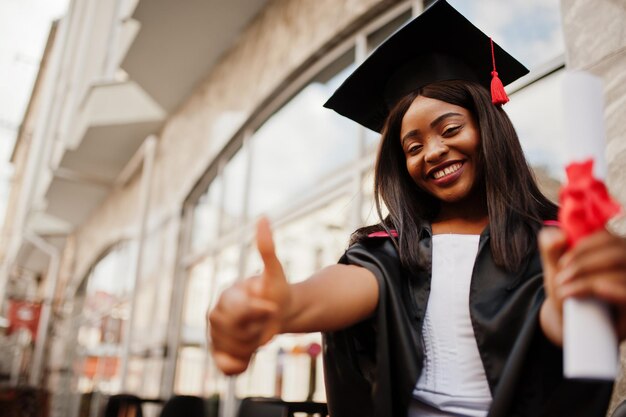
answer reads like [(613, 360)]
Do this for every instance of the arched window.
[(104, 300)]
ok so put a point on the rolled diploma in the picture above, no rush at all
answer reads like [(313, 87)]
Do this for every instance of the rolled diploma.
[(590, 345)]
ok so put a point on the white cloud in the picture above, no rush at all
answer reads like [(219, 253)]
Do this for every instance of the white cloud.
[(529, 29)]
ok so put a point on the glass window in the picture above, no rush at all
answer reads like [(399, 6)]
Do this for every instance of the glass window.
[(541, 131), (368, 212), (314, 241), (153, 294), (189, 371), (146, 296), (309, 243), (371, 140), (301, 142), (284, 368), (134, 379), (151, 382), (227, 269), (206, 216), (234, 177), (297, 369), (260, 378), (110, 280), (192, 355), (163, 281), (215, 382), (152, 250), (192, 364), (198, 294), (105, 313), (161, 309)]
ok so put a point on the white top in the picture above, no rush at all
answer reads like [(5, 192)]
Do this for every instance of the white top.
[(453, 380)]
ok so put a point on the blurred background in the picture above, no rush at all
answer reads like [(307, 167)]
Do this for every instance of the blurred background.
[(141, 139)]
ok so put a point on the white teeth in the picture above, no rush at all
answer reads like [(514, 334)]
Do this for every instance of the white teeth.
[(447, 170)]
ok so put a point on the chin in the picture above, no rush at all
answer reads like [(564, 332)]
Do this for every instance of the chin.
[(454, 197)]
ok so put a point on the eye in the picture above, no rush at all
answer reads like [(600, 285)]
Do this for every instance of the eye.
[(451, 131), (414, 148)]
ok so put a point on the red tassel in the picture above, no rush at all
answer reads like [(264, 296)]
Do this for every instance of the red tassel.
[(498, 95)]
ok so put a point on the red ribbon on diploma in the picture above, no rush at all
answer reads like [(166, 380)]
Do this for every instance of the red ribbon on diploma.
[(586, 205)]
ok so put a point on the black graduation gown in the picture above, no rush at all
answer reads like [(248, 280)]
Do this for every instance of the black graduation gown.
[(372, 367)]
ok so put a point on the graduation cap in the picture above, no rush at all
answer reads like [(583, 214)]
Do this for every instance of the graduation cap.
[(440, 44)]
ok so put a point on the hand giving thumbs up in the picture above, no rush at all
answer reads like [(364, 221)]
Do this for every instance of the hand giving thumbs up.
[(249, 313)]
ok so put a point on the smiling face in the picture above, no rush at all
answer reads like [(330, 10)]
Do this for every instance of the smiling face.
[(441, 144)]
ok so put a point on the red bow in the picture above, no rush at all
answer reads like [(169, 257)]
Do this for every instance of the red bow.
[(586, 205)]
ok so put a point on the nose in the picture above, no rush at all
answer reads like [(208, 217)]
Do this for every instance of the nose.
[(435, 150)]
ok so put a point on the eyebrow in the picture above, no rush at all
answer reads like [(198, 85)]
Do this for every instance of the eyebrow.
[(434, 123)]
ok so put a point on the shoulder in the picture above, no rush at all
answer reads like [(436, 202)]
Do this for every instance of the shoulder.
[(382, 234), (374, 246), (377, 249)]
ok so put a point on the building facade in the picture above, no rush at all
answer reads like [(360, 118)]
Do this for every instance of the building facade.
[(159, 131)]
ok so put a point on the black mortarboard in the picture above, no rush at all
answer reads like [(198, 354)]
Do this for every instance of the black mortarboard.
[(440, 44)]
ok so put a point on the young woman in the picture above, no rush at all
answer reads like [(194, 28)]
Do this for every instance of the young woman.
[(452, 305)]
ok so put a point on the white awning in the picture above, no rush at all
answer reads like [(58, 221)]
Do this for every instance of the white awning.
[(113, 123), (179, 42)]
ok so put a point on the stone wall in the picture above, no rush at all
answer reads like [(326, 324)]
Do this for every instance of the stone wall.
[(595, 38)]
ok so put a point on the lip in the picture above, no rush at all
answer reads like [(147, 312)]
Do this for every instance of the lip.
[(441, 166), (448, 179)]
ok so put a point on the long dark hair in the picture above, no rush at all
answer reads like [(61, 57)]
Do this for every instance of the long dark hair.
[(516, 207)]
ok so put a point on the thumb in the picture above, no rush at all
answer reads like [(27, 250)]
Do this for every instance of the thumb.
[(552, 245), (228, 364), (265, 245)]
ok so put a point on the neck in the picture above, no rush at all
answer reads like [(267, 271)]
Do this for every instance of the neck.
[(466, 217)]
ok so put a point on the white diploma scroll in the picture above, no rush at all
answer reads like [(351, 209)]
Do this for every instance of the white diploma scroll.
[(590, 345)]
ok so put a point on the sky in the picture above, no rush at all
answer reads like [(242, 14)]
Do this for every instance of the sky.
[(528, 29), (24, 29)]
